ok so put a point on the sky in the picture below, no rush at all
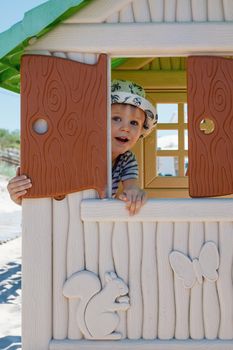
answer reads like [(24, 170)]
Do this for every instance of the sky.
[(12, 11)]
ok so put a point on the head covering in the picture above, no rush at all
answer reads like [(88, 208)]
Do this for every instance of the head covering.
[(128, 92)]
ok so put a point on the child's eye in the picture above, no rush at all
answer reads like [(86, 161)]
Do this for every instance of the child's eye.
[(116, 118), (134, 122)]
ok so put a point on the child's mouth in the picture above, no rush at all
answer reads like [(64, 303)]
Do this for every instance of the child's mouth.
[(122, 139)]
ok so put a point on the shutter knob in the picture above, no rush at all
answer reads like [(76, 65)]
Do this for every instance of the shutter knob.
[(40, 126), (207, 126)]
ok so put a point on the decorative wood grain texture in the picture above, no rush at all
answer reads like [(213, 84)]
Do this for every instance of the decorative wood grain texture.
[(166, 315), (228, 10), (169, 10), (105, 250), (210, 91), (98, 11), (141, 11), (215, 10), (135, 312), (224, 282), (126, 15), (91, 239), (120, 248), (71, 97), (196, 241), (182, 295), (60, 236), (149, 282), (74, 256), (37, 274), (199, 10), (183, 11), (113, 18), (211, 309), (156, 10), (160, 306)]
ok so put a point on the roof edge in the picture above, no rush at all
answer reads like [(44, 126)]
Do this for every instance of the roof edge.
[(35, 21)]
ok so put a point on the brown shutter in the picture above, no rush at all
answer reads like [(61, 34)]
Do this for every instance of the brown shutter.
[(71, 100), (210, 126)]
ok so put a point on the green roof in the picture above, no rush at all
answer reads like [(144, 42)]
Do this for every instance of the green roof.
[(35, 23)]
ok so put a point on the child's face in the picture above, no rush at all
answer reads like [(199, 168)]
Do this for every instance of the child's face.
[(127, 125)]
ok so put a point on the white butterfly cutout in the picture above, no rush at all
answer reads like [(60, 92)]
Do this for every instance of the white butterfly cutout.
[(189, 270)]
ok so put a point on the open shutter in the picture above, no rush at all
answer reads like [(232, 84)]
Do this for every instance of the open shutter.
[(63, 125), (210, 126)]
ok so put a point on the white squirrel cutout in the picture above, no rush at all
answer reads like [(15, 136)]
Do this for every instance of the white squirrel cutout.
[(96, 312), (189, 270)]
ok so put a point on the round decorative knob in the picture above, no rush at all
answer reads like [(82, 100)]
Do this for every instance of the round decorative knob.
[(207, 126), (40, 126)]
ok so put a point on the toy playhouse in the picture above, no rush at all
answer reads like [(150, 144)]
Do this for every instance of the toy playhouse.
[(93, 276)]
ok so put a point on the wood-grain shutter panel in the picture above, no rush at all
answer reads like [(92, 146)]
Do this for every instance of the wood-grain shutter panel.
[(210, 126), (69, 100)]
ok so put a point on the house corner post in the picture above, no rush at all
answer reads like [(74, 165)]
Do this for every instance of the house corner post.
[(37, 274)]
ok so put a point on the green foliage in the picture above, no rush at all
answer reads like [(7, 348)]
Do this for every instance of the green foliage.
[(9, 139), (7, 170)]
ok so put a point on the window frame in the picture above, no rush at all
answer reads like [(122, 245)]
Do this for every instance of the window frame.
[(174, 185)]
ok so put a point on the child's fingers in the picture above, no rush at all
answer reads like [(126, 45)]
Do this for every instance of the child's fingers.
[(18, 185), (137, 202), (21, 188), (132, 204), (18, 178), (123, 196), (144, 198), (138, 205), (19, 194)]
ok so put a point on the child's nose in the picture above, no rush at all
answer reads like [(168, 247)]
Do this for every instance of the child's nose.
[(125, 127)]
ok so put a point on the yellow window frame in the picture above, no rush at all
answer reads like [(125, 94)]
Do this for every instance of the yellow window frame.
[(165, 186)]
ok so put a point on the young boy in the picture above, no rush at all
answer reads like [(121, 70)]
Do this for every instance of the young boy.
[(132, 117)]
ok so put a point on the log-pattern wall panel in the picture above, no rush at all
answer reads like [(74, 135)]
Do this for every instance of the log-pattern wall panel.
[(174, 11), (37, 268), (71, 100), (160, 306), (149, 282), (196, 241), (135, 313), (210, 127), (120, 247), (224, 285), (182, 295), (68, 235), (60, 235), (211, 310)]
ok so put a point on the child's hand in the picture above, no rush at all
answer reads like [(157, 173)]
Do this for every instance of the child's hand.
[(17, 187), (134, 197)]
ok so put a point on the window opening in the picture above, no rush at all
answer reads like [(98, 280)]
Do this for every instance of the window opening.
[(162, 155)]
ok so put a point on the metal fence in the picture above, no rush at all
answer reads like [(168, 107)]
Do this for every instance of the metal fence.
[(10, 155)]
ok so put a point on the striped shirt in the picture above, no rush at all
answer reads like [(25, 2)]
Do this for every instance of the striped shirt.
[(124, 168)]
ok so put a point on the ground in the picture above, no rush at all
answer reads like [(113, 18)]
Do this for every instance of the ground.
[(10, 271)]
